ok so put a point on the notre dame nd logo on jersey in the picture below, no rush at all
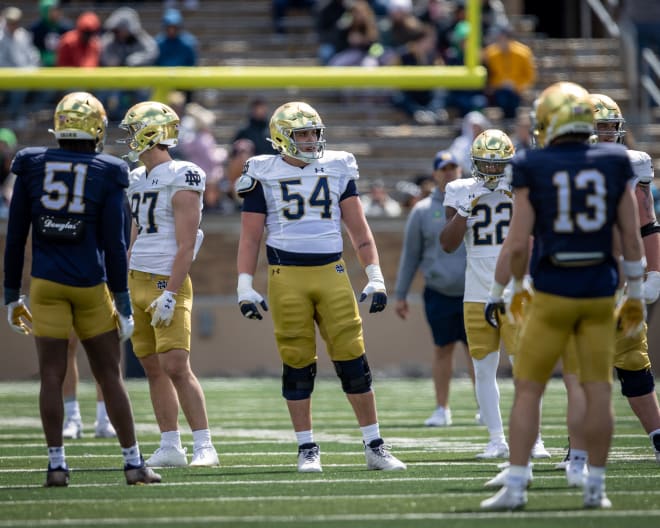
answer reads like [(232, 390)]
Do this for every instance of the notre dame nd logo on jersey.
[(193, 178)]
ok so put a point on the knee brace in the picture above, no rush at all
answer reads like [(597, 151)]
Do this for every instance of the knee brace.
[(636, 382), (354, 374), (298, 384)]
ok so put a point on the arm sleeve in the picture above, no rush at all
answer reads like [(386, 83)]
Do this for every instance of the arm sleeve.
[(254, 200), (351, 190), (116, 259), (410, 255), (18, 228)]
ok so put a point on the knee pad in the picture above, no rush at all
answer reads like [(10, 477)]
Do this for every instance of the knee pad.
[(354, 374), (298, 384), (636, 382)]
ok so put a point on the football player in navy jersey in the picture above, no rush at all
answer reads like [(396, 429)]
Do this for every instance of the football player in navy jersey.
[(574, 198), (72, 198), (301, 196)]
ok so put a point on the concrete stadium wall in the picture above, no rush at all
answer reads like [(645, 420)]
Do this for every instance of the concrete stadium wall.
[(226, 344)]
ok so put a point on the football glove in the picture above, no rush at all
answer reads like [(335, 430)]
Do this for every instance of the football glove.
[(376, 288), (18, 316), (651, 287), (522, 296), (630, 315), (162, 309), (126, 325), (249, 299)]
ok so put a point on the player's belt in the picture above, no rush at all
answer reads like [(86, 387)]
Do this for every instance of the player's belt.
[(143, 275)]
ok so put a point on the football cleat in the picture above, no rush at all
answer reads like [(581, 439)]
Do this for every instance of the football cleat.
[(57, 477), (608, 119), (576, 476), (205, 457), (495, 450), (594, 497), (309, 458), (148, 124), (539, 450), (168, 457), (72, 428), (562, 108), (564, 463), (491, 152), (656, 445), (499, 480), (297, 117), (508, 498), (80, 116), (104, 429), (140, 474), (379, 457), (441, 417)]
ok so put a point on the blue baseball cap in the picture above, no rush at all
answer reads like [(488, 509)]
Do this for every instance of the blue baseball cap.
[(172, 17), (444, 158)]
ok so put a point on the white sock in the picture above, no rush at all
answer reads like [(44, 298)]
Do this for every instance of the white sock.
[(578, 459), (305, 437), (72, 409), (370, 433), (596, 476), (56, 457), (201, 438), (101, 413), (170, 439), (488, 394), (517, 476), (132, 455)]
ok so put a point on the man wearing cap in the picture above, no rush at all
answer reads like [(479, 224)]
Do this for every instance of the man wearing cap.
[(81, 47), (176, 46), (444, 282)]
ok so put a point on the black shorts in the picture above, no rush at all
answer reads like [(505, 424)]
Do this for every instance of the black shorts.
[(445, 317)]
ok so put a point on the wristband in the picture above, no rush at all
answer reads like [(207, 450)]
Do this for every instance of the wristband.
[(496, 290), (244, 282), (12, 295), (374, 274), (635, 288), (634, 269), (518, 285)]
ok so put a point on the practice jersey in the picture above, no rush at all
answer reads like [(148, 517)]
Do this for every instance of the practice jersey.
[(150, 196), (75, 204), (302, 203), (487, 227), (574, 189)]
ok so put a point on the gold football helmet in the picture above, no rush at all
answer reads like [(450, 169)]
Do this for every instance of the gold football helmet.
[(80, 115), (608, 119), (297, 117), (491, 151), (562, 108), (148, 124)]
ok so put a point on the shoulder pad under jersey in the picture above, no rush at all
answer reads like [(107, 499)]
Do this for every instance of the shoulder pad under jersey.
[(245, 184), (642, 166)]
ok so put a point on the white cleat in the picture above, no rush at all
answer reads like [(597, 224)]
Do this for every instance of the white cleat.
[(539, 450), (205, 457), (309, 458), (72, 428), (594, 497), (507, 498), (379, 457), (495, 450), (441, 417), (168, 457), (499, 480), (576, 477), (104, 429)]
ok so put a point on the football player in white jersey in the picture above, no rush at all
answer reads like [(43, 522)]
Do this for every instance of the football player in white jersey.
[(166, 204), (479, 210), (300, 196)]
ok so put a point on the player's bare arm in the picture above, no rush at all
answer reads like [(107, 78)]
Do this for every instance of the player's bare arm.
[(520, 230), (252, 229), (359, 231), (187, 218), (453, 233)]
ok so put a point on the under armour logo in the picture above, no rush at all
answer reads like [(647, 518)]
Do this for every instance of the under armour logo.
[(274, 271), (317, 170), (154, 181), (339, 268), (161, 284), (193, 178)]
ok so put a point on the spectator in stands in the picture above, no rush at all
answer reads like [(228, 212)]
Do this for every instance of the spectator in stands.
[(474, 123), (125, 43), (256, 128), (198, 145), (328, 18), (176, 46), (46, 31), (440, 15), (493, 15), (280, 8), (424, 106), (241, 151), (8, 144), (16, 51), (359, 28), (400, 26), (81, 47), (522, 133), (511, 71), (378, 202)]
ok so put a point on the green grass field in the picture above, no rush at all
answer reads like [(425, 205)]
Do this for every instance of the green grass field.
[(258, 485)]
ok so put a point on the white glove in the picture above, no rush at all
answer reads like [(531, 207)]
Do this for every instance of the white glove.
[(18, 316), (126, 327), (248, 298), (162, 309), (651, 287), (376, 288)]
